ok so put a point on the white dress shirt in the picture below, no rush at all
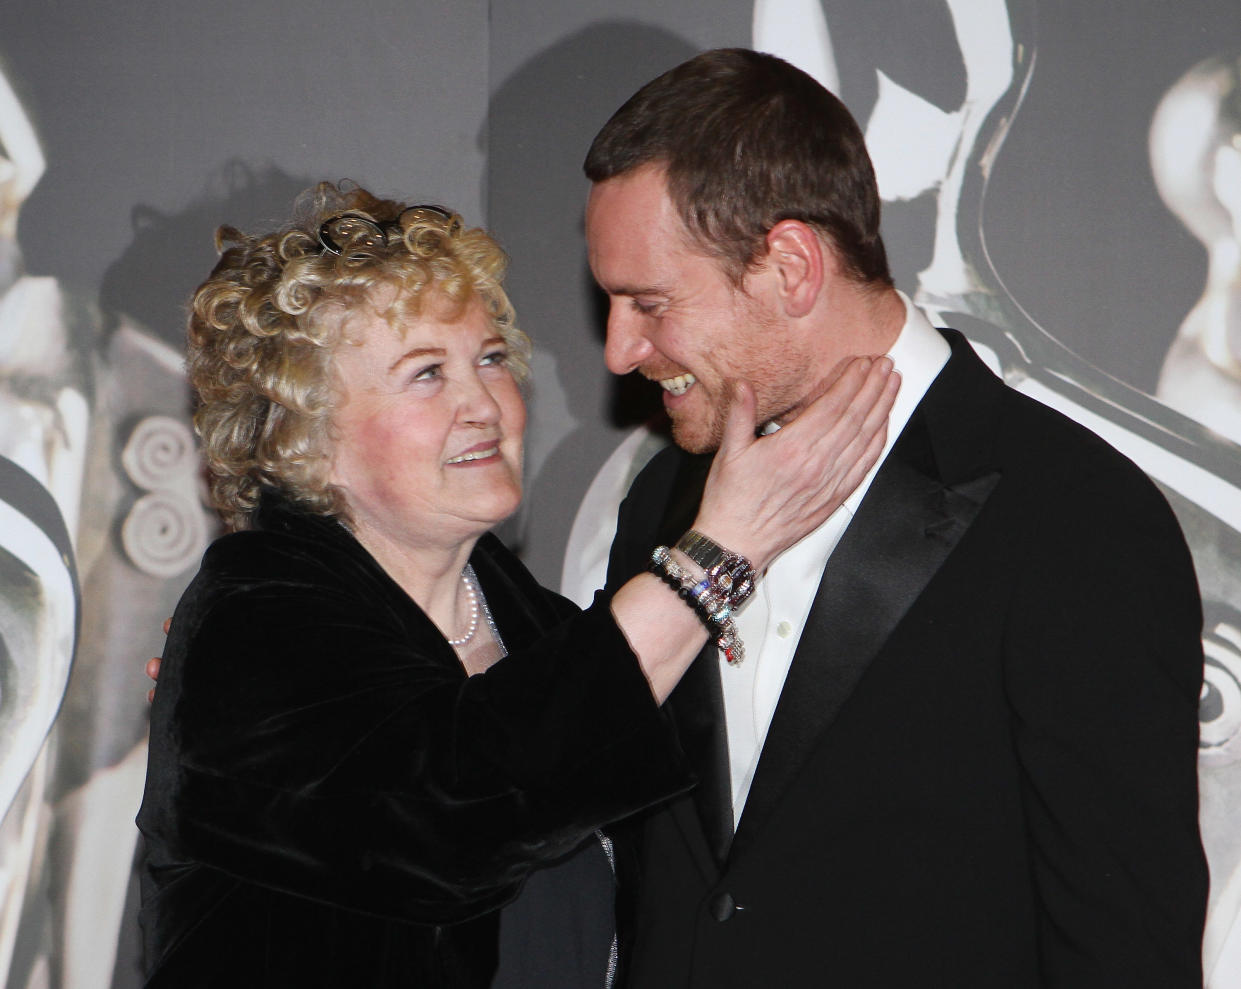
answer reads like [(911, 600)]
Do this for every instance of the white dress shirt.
[(771, 623)]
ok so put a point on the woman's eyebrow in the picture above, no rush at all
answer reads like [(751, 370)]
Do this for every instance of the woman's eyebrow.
[(415, 353)]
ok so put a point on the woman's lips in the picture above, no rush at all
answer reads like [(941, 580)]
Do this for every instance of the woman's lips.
[(480, 451)]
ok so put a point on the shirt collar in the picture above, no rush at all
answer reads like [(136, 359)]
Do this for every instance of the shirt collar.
[(919, 354)]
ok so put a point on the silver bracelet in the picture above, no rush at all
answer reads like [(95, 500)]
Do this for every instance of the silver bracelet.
[(713, 609), (729, 574)]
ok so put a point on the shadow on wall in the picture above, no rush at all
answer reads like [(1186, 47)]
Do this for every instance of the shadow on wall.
[(142, 303), (542, 119), (171, 253)]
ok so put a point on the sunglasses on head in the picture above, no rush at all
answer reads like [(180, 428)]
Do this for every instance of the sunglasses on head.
[(359, 230)]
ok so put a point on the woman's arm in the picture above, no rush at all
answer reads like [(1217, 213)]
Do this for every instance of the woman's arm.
[(316, 735)]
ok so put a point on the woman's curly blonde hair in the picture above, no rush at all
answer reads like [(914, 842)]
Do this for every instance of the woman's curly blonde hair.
[(265, 325)]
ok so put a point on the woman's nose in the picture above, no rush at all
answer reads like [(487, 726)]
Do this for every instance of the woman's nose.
[(478, 404)]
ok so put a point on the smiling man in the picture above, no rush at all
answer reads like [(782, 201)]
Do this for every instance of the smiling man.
[(679, 319), (961, 749)]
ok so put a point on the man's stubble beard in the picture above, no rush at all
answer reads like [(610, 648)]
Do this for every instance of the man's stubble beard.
[(704, 434), (778, 377), (695, 436)]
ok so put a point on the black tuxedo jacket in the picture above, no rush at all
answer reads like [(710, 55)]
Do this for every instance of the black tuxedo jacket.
[(981, 770)]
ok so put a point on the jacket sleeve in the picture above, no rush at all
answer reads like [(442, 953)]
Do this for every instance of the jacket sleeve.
[(1103, 670), (323, 750)]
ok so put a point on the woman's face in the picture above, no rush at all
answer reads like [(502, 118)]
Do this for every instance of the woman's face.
[(427, 435)]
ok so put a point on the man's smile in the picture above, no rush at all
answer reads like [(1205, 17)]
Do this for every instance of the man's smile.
[(679, 384)]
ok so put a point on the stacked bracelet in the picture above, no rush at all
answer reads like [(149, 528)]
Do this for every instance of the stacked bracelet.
[(711, 601), (730, 574)]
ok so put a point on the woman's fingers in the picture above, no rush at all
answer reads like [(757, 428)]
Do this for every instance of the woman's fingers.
[(872, 407), (739, 423), (765, 494), (856, 401), (840, 435), (152, 666), (873, 436)]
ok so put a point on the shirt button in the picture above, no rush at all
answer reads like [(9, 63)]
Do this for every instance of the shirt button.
[(722, 907), (784, 629)]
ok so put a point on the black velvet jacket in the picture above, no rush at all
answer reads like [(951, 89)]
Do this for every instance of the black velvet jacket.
[(331, 801)]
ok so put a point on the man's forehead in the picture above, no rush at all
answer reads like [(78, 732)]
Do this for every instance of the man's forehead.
[(634, 230), (641, 190)]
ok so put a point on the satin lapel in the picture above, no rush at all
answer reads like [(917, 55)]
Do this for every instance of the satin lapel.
[(697, 707), (906, 526)]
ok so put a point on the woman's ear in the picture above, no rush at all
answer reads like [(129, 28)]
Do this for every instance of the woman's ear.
[(799, 259)]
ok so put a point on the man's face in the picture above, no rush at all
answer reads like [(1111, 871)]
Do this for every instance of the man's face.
[(677, 319)]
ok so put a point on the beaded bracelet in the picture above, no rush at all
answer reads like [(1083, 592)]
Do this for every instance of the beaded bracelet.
[(713, 609)]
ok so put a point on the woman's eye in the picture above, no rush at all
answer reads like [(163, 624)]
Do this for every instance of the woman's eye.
[(429, 373), (494, 358)]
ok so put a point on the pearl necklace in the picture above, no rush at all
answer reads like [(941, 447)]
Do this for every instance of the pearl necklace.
[(466, 576)]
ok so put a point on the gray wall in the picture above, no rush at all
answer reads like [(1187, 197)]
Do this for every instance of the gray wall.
[(162, 120)]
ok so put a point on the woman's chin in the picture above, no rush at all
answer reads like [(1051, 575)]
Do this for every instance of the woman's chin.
[(499, 507)]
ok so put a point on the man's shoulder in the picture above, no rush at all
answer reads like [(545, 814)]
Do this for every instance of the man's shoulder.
[(671, 483), (1036, 438), (1058, 470), (1026, 435), (660, 474)]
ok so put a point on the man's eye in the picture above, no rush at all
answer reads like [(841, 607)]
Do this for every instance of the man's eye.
[(645, 308)]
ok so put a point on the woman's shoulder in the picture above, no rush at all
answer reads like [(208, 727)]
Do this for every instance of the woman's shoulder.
[(285, 542), (297, 570), (301, 595)]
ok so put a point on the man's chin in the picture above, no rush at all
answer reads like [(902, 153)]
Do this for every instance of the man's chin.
[(696, 436)]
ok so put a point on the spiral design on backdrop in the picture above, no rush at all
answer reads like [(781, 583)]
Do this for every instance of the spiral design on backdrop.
[(164, 532), (160, 449), (1220, 709)]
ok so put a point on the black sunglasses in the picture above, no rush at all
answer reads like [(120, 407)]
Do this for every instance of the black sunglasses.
[(354, 228)]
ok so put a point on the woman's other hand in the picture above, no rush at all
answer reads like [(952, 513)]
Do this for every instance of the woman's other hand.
[(152, 665)]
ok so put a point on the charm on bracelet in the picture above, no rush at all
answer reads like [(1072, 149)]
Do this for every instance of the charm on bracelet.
[(709, 599)]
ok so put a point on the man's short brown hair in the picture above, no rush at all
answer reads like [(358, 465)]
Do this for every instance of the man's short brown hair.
[(748, 140)]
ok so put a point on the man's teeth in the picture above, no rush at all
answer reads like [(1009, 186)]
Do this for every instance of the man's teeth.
[(491, 451), (678, 385)]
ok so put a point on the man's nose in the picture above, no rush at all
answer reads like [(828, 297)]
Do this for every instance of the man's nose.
[(627, 344)]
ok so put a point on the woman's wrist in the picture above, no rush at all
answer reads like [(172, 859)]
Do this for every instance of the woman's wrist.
[(712, 581), (730, 575), (736, 538)]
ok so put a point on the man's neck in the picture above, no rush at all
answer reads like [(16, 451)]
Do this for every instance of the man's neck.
[(875, 317), (858, 322)]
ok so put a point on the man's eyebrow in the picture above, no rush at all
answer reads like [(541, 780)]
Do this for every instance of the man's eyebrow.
[(415, 353), (631, 290)]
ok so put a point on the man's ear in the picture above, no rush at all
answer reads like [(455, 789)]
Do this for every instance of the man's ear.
[(800, 260)]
